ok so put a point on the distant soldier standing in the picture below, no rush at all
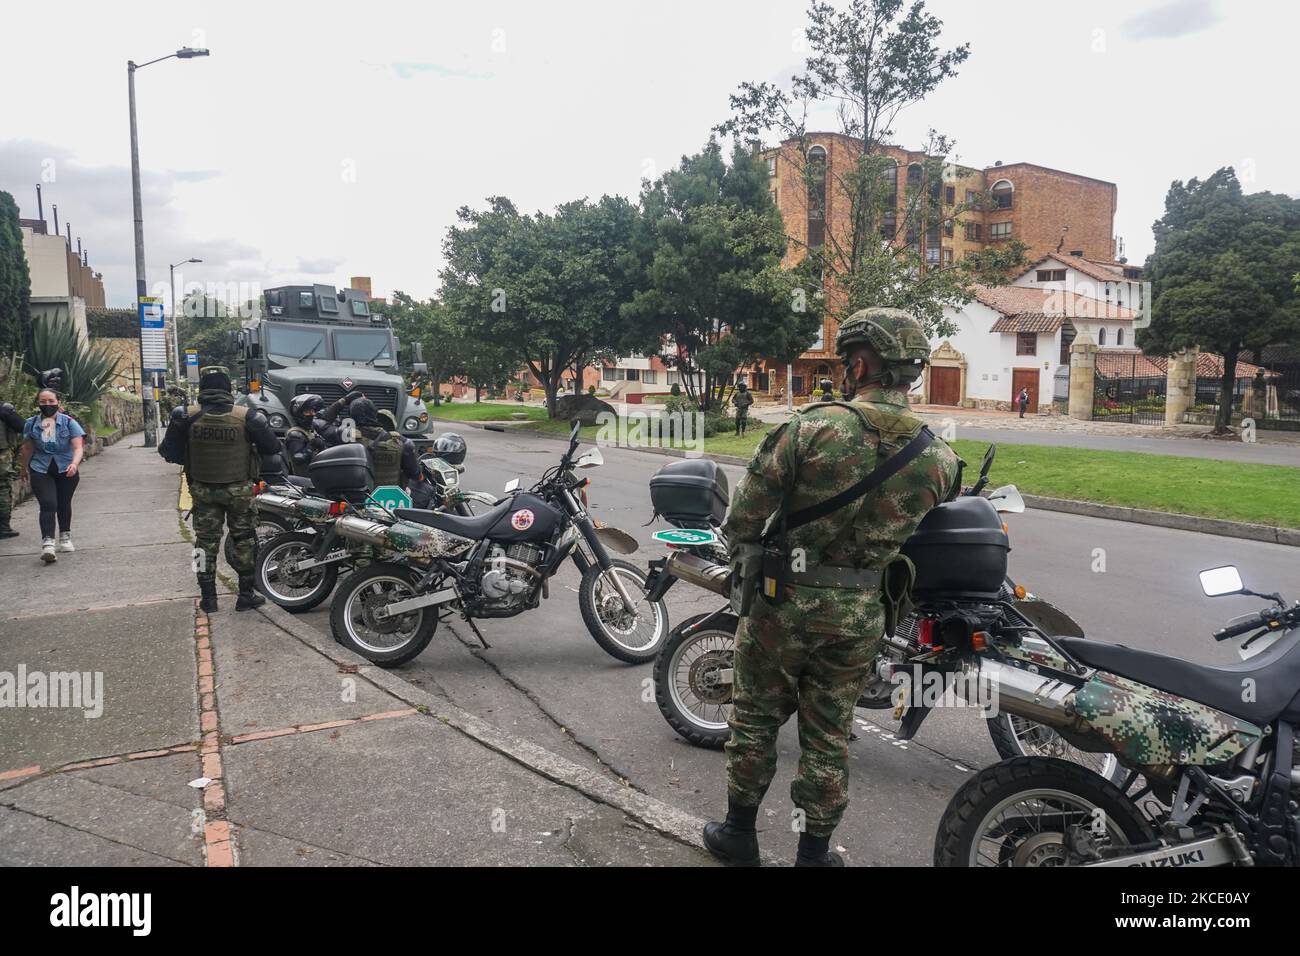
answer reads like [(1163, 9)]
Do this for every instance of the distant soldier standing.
[(221, 445), (11, 437), (742, 400), (845, 484)]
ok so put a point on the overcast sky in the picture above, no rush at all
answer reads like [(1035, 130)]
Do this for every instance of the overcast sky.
[(329, 139)]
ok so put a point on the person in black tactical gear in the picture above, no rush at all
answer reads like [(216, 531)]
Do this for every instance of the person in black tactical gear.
[(392, 457), (221, 446), (326, 423), (301, 441)]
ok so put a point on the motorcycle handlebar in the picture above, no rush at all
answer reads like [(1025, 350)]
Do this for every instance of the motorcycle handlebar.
[(1249, 623)]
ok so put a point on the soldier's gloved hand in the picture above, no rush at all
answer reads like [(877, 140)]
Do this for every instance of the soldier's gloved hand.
[(353, 395), (9, 415)]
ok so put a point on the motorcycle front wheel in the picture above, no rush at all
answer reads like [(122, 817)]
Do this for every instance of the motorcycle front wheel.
[(276, 574), (1023, 812), (389, 642), (633, 636), (693, 679)]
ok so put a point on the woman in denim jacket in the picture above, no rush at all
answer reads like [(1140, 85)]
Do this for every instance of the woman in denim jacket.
[(52, 453)]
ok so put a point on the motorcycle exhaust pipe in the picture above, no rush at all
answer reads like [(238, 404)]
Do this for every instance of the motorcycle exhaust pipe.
[(362, 529), (1036, 697), (704, 574), (278, 504)]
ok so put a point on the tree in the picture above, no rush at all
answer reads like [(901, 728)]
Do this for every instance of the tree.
[(15, 282), (1222, 274), (713, 242), (545, 289), (869, 65), (432, 325), (206, 326)]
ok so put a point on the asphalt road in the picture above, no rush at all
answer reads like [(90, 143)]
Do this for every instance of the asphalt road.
[(545, 678)]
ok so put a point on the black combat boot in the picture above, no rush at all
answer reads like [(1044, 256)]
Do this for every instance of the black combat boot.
[(5, 530), (207, 593), (816, 851), (248, 596), (734, 842)]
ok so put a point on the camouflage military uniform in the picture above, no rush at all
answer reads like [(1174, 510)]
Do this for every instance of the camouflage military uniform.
[(11, 425), (811, 654)]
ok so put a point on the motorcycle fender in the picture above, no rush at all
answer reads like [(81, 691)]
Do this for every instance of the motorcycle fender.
[(1150, 727), (912, 721), (616, 540), (1048, 618)]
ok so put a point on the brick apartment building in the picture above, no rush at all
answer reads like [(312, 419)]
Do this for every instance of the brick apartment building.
[(1050, 210)]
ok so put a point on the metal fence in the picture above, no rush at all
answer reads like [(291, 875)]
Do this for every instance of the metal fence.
[(1130, 398)]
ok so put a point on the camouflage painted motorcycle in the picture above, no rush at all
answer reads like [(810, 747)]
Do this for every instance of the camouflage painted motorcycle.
[(1210, 753)]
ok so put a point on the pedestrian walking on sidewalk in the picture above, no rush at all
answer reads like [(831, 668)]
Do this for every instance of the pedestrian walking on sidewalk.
[(1023, 400), (11, 438), (51, 456), (221, 446)]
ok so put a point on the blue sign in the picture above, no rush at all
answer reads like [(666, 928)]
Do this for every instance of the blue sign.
[(191, 357), (153, 334)]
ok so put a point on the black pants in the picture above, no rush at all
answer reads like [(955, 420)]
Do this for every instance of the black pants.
[(54, 492)]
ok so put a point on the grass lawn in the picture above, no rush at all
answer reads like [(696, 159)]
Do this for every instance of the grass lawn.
[(484, 411), (1260, 494)]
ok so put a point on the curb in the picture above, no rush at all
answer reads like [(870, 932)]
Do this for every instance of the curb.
[(662, 817), (1088, 509)]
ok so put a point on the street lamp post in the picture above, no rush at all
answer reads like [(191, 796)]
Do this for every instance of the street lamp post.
[(176, 316), (141, 289)]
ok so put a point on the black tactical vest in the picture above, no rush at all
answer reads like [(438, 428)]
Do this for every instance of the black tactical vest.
[(385, 454), (219, 452)]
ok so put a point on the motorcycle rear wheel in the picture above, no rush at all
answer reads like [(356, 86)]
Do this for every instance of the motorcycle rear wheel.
[(287, 590), (353, 623), (266, 528)]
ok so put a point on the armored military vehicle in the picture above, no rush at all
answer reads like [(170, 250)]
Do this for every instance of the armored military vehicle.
[(312, 338)]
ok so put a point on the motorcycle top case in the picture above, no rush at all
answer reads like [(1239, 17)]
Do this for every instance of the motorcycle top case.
[(690, 491), (530, 518), (959, 548), (343, 471)]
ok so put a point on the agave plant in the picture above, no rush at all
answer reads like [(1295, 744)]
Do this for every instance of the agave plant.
[(16, 385), (88, 368)]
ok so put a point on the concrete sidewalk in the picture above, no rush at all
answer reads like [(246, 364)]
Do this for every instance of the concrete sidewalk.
[(246, 739)]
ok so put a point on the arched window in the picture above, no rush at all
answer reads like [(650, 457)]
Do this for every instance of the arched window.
[(1119, 337), (816, 197), (1101, 335), (1002, 192), (914, 175)]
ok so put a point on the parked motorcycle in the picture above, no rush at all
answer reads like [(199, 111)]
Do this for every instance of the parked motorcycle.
[(496, 564), (299, 568), (1214, 748), (693, 673)]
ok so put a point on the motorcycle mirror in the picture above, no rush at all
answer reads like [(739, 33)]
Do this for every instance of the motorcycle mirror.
[(1216, 582), (988, 460), (1007, 500), (512, 485), (576, 426), (590, 460)]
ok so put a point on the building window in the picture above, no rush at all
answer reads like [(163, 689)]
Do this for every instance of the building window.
[(1000, 230), (949, 195), (608, 374), (931, 255), (914, 176), (974, 231), (889, 202), (972, 197), (947, 256), (1077, 253), (1101, 336), (816, 197), (947, 228), (650, 377), (1026, 343), (1119, 337), (632, 374), (1051, 275), (771, 165), (1002, 192)]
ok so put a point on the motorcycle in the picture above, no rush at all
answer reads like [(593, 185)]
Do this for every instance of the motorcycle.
[(693, 673), (497, 564), (297, 569), (1214, 748)]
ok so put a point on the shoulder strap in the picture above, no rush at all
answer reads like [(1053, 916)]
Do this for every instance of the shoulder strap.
[(878, 476)]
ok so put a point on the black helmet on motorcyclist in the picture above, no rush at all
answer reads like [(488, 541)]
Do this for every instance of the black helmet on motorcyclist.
[(304, 407), (451, 448), (362, 411)]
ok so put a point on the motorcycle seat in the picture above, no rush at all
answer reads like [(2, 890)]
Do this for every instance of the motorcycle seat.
[(1275, 673), (301, 482), (475, 527)]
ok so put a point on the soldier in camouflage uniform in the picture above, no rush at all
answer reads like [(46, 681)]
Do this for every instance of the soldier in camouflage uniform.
[(220, 445), (11, 436), (810, 654)]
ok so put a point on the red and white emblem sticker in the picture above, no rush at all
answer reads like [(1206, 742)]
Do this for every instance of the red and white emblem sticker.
[(347, 383), (522, 519)]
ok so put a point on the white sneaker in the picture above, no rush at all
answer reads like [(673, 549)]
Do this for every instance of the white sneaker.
[(65, 542), (47, 551)]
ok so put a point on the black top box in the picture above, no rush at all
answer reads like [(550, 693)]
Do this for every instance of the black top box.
[(342, 470), (692, 491), (959, 548)]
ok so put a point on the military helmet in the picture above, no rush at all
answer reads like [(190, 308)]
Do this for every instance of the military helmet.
[(304, 407), (363, 412), (387, 420), (895, 335)]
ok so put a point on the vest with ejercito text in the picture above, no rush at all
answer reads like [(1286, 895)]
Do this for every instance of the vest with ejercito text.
[(218, 452)]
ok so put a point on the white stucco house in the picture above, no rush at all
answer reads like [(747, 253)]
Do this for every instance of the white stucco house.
[(1019, 335)]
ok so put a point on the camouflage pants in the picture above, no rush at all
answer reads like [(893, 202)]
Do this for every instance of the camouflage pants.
[(10, 464), (781, 669), (232, 505)]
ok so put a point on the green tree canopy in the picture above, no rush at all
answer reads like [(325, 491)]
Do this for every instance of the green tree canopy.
[(1222, 274), (15, 282)]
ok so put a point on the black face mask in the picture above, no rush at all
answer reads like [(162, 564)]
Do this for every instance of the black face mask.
[(49, 411)]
